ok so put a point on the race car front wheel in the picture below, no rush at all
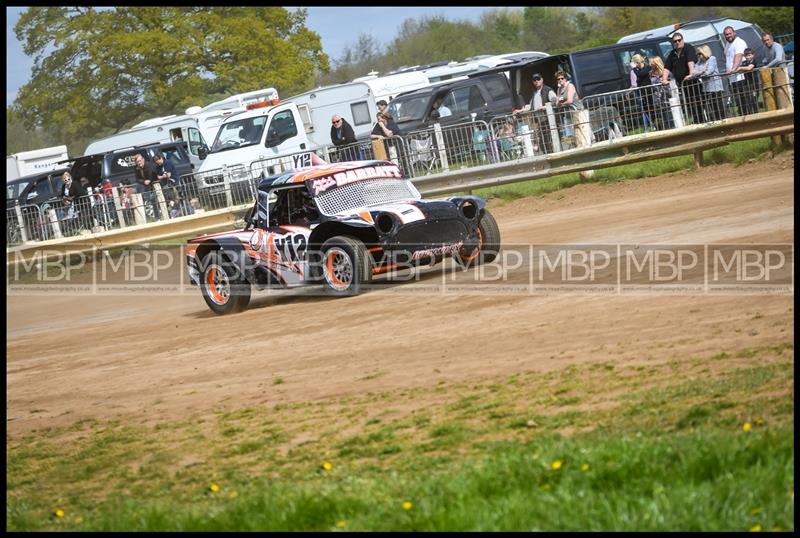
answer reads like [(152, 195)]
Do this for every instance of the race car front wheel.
[(224, 288), (345, 265), (489, 243)]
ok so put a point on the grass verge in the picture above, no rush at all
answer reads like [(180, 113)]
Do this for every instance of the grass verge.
[(706, 446)]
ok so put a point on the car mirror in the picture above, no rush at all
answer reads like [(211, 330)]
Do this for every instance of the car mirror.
[(273, 140), (32, 195), (202, 152)]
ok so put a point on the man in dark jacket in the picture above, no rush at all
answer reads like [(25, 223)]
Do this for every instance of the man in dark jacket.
[(342, 134), (680, 62), (146, 177)]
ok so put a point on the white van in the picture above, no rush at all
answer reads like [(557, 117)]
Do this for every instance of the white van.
[(266, 139), (353, 101)]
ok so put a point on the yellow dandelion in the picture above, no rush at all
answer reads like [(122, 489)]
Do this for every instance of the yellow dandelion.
[(78, 520), (556, 465), (233, 494), (747, 426), (59, 512), (341, 524), (214, 487), (585, 467), (327, 466), (408, 505), (755, 528)]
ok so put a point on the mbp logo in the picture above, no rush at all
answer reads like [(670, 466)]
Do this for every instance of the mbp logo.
[(743, 267), (574, 265), (661, 265)]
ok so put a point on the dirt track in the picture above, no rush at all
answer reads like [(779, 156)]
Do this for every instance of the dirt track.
[(157, 358)]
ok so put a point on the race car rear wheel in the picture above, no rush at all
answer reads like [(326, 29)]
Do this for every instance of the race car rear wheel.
[(224, 288), (488, 243), (345, 265)]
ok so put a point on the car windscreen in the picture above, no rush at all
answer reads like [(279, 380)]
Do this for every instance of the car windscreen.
[(239, 133), (411, 108)]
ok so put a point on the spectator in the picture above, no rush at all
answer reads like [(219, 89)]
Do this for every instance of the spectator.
[(734, 53), (342, 134), (84, 203), (167, 176), (146, 177), (680, 62), (752, 82), (382, 105), (386, 128), (706, 67), (640, 78), (542, 94), (568, 101), (661, 79), (70, 192), (441, 108), (773, 53)]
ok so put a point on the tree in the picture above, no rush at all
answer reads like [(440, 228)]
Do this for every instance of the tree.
[(776, 20), (98, 71)]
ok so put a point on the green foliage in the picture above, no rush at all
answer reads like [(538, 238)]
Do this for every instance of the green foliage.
[(97, 71), (776, 20)]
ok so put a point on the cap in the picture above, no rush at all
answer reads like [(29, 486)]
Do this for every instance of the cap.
[(536, 76)]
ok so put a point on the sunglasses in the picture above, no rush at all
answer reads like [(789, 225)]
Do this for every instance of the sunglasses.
[(337, 121), (677, 40)]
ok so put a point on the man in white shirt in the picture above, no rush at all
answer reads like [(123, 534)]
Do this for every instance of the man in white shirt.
[(773, 55), (734, 52)]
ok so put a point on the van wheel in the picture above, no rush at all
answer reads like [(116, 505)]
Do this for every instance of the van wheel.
[(346, 265), (224, 288)]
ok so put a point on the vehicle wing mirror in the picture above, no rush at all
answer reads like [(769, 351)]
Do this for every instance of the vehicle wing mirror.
[(202, 152), (273, 140), (32, 195)]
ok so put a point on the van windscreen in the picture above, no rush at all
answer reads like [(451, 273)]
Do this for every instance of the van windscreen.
[(410, 108)]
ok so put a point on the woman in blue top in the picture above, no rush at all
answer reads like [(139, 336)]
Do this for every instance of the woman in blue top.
[(706, 67)]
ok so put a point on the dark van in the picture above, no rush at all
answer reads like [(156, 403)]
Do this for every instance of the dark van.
[(118, 165), (35, 189), (485, 96)]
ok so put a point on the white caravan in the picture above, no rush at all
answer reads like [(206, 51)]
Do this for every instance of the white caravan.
[(388, 86), (353, 101), (198, 126), (25, 163)]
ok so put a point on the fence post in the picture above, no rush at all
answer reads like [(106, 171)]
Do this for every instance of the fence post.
[(53, 217), (770, 101), (118, 205), (23, 232), (138, 209), (162, 204), (226, 182), (783, 99), (675, 105), (583, 136), (437, 132), (551, 122)]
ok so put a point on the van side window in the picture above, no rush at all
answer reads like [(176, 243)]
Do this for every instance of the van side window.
[(360, 111), (462, 99), (498, 87), (595, 67), (282, 127), (195, 140)]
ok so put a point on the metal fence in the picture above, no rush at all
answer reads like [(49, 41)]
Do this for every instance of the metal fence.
[(605, 117)]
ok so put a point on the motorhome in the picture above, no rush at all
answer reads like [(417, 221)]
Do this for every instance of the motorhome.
[(353, 101), (30, 162), (388, 86), (198, 126)]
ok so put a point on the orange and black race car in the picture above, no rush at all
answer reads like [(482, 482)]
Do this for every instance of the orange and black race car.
[(338, 225)]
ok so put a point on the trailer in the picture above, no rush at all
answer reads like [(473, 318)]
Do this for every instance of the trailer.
[(353, 101), (26, 163)]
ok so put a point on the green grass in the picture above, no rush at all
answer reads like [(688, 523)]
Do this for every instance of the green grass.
[(737, 153), (665, 449)]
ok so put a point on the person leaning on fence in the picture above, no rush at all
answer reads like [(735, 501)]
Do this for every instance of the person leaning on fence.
[(640, 78), (751, 84), (661, 79), (342, 134), (542, 94), (774, 55), (167, 176), (70, 192), (146, 177), (734, 53), (568, 102), (385, 129), (706, 69), (680, 62)]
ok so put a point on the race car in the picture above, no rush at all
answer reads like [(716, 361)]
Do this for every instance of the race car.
[(337, 225)]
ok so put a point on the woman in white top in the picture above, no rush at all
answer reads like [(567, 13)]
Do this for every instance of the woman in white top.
[(706, 67)]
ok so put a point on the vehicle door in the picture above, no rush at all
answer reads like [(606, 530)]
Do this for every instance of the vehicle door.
[(285, 135), (463, 101)]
